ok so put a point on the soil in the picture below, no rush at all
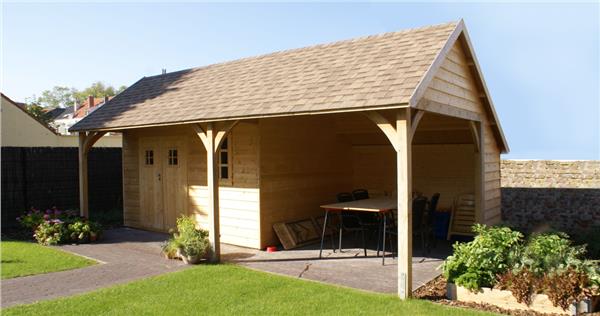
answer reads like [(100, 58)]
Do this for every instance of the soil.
[(435, 291)]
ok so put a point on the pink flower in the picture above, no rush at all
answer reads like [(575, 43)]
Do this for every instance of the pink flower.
[(46, 216)]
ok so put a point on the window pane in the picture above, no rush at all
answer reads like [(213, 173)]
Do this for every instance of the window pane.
[(149, 157), (224, 158), (224, 144), (224, 173)]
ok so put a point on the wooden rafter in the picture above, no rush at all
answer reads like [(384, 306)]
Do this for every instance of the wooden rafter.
[(416, 118), (475, 133)]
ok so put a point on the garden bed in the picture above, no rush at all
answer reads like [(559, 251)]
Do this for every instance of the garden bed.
[(505, 299)]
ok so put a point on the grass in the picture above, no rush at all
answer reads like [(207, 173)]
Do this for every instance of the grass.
[(231, 290), (21, 258)]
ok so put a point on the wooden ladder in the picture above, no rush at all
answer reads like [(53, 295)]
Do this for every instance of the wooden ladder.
[(463, 216)]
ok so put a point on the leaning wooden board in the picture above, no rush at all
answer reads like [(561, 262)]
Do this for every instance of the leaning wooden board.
[(297, 234)]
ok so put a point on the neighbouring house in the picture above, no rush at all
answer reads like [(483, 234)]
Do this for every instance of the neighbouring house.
[(63, 118), (242, 145), (20, 129)]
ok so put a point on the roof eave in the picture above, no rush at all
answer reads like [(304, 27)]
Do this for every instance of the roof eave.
[(247, 117)]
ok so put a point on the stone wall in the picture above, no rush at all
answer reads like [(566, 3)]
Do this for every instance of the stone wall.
[(540, 194)]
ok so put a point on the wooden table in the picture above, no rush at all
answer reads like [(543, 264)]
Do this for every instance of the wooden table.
[(380, 205)]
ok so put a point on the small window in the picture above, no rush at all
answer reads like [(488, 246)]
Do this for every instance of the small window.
[(224, 160), (149, 157), (173, 157)]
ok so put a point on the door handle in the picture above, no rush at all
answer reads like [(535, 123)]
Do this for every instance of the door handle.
[(158, 177)]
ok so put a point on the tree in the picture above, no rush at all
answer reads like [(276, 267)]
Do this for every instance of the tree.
[(56, 97), (39, 113), (98, 90)]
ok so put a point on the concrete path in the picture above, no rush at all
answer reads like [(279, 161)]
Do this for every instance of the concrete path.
[(124, 254)]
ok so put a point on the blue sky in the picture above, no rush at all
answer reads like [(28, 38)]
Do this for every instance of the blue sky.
[(540, 61)]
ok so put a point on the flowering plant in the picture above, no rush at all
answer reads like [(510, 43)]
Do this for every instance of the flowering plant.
[(55, 226)]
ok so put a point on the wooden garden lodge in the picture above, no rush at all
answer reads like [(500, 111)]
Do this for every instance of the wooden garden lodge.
[(244, 144)]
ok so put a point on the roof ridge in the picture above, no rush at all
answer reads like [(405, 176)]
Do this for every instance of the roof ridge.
[(290, 50)]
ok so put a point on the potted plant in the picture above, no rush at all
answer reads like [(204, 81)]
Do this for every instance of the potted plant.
[(188, 243)]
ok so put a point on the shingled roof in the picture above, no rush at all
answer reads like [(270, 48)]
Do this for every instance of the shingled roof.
[(372, 71)]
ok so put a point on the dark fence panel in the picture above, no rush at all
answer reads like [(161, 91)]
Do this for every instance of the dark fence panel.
[(43, 177)]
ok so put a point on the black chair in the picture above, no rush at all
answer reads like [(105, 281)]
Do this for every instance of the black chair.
[(350, 222), (429, 220), (368, 220), (419, 219), (360, 194)]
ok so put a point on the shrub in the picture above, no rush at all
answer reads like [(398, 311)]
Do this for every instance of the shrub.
[(188, 240), (55, 226), (51, 232), (478, 263)]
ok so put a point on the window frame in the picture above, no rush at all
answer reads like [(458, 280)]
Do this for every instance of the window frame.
[(229, 165), (148, 153), (173, 160)]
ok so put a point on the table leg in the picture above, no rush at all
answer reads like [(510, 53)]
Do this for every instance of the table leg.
[(323, 232), (384, 224), (340, 227)]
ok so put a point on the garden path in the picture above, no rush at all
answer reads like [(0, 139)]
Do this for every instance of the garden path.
[(124, 254)]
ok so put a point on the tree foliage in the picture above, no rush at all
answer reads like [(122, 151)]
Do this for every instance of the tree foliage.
[(39, 113), (61, 96)]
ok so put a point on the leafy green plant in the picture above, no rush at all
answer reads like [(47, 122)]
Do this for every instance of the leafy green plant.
[(51, 232), (477, 263), (188, 240), (545, 253)]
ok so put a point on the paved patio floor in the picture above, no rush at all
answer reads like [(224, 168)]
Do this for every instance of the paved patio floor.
[(129, 254), (349, 268)]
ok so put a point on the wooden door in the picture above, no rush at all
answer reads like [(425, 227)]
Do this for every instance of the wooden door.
[(174, 153), (151, 184)]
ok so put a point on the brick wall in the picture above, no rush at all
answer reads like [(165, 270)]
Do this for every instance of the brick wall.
[(564, 195)]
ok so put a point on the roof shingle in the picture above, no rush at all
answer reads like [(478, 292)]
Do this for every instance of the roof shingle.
[(365, 72)]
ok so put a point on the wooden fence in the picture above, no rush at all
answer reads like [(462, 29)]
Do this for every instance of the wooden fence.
[(43, 177)]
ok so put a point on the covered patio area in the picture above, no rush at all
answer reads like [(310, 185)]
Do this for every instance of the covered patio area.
[(349, 268)]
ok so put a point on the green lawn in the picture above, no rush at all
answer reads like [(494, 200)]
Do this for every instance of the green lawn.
[(20, 258), (231, 290)]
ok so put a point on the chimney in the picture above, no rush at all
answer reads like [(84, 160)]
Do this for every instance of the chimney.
[(90, 102), (106, 98), (164, 71), (75, 106)]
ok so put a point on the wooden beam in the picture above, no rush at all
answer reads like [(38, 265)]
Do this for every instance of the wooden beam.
[(475, 133), (83, 175), (385, 126), (223, 130), (212, 135), (478, 139), (91, 139), (415, 119), (214, 235), (86, 141), (201, 134), (404, 188), (436, 107)]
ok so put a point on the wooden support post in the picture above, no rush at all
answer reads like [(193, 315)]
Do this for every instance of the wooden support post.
[(212, 135), (213, 194), (400, 136), (404, 186), (83, 175), (479, 153), (86, 141)]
